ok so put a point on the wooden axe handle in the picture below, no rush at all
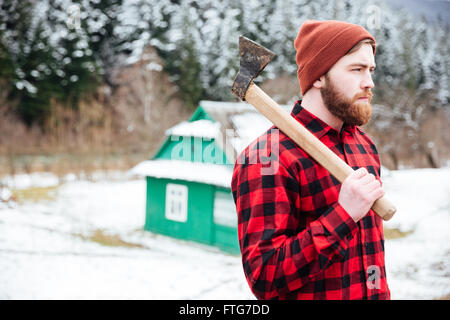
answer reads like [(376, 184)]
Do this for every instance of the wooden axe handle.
[(308, 142)]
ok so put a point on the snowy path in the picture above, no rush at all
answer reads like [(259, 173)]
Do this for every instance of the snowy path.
[(52, 249)]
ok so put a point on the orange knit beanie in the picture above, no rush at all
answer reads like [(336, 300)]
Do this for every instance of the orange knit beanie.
[(320, 44)]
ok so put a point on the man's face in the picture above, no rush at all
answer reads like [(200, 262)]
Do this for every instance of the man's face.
[(346, 88)]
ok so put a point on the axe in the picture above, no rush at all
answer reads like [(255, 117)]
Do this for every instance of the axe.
[(253, 59)]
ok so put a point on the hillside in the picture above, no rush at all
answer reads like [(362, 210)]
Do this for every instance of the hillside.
[(94, 84)]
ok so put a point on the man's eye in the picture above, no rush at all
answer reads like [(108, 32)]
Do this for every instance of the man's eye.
[(357, 69)]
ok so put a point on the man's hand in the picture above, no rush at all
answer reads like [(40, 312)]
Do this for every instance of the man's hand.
[(358, 193)]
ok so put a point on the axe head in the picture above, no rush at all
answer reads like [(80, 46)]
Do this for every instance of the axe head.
[(253, 59)]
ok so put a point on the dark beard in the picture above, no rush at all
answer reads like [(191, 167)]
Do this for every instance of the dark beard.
[(350, 111)]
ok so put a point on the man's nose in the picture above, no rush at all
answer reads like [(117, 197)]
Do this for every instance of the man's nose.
[(367, 83)]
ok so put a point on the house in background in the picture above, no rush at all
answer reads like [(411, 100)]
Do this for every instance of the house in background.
[(189, 177)]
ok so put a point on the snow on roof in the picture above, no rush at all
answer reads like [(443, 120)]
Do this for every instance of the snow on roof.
[(215, 106), (200, 128), (248, 127), (232, 107), (219, 175)]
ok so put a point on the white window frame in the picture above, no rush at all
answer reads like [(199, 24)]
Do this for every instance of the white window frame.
[(176, 202), (224, 209)]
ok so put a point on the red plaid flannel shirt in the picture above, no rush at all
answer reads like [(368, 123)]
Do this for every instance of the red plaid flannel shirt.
[(296, 241)]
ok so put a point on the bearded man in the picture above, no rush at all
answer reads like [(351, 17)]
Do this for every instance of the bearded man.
[(303, 234)]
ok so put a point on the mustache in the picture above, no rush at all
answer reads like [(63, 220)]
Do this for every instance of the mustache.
[(368, 94)]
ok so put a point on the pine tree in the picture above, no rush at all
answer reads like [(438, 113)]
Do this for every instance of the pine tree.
[(184, 63), (27, 57), (39, 82), (285, 23), (108, 35), (75, 64), (219, 54)]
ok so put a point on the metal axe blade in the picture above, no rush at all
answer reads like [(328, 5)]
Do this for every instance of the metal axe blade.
[(253, 59)]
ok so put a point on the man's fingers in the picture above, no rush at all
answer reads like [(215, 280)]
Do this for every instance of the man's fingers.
[(370, 187), (368, 178), (359, 173), (377, 193), (362, 177)]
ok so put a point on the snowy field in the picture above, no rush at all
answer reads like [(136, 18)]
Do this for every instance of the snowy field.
[(80, 239)]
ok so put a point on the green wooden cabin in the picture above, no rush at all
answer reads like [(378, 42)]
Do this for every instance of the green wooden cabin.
[(189, 177)]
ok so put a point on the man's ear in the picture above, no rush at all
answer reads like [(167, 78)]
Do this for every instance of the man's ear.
[(319, 83)]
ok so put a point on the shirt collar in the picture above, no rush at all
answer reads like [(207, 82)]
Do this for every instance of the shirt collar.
[(314, 124)]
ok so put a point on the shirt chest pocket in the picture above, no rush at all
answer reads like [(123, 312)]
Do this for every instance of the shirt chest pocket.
[(359, 155)]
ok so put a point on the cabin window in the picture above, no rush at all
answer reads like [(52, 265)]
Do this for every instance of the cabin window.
[(224, 209), (176, 202)]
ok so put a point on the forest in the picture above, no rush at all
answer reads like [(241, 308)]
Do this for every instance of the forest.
[(62, 64)]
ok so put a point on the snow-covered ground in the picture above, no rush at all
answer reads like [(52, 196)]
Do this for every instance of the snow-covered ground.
[(55, 248), (418, 265)]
